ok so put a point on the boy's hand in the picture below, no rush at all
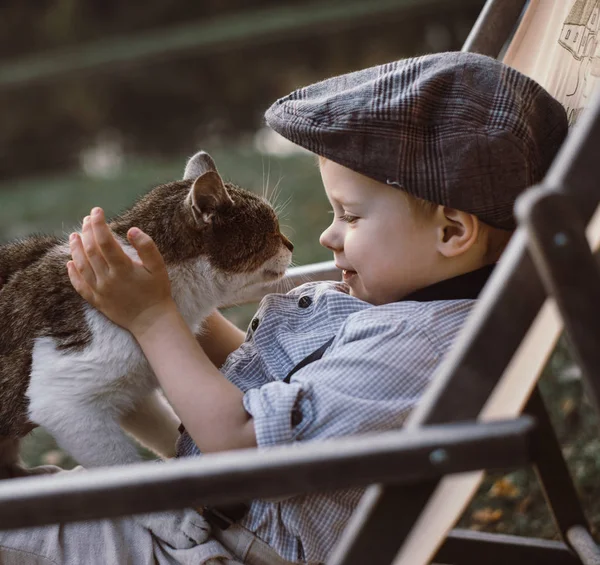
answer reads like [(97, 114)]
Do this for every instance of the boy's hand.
[(131, 293)]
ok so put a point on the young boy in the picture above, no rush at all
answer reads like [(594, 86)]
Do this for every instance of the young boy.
[(421, 160)]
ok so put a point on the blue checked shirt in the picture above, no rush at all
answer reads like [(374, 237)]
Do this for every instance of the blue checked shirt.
[(369, 379)]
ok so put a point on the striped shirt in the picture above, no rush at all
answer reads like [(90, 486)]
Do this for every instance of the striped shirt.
[(369, 379)]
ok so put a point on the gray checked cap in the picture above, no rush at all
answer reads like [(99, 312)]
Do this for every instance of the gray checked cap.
[(457, 129)]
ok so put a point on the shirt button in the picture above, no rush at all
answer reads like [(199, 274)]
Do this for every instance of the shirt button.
[(254, 324), (305, 301)]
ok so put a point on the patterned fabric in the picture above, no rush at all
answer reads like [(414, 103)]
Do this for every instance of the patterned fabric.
[(458, 129), (369, 379)]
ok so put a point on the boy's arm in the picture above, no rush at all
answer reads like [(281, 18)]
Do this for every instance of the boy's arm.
[(219, 337), (137, 296), (208, 404)]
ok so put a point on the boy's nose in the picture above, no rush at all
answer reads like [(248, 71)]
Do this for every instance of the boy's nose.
[(329, 240)]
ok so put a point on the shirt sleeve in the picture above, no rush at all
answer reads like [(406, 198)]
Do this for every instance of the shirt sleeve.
[(368, 380)]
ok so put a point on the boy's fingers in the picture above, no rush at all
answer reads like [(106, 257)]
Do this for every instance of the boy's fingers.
[(80, 260), (79, 283), (111, 250), (92, 249), (148, 252)]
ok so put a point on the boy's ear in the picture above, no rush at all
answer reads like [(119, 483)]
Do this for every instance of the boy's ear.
[(206, 196), (457, 231)]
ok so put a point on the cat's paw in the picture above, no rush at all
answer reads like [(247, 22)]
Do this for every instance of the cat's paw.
[(181, 529), (16, 471)]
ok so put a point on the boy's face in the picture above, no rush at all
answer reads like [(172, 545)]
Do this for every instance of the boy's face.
[(385, 251)]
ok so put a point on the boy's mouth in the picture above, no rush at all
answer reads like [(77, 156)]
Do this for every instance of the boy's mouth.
[(347, 275)]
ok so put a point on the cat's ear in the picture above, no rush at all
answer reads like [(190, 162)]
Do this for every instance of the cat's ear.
[(199, 164), (206, 196)]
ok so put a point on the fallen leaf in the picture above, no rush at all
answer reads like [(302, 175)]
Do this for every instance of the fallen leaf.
[(487, 515), (504, 488), (524, 505), (567, 406)]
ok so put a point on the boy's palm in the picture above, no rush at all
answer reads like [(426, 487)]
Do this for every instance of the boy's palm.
[(129, 291)]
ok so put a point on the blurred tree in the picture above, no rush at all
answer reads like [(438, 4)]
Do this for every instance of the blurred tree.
[(167, 105)]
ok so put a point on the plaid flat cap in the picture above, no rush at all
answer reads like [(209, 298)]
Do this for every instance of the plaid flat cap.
[(458, 129)]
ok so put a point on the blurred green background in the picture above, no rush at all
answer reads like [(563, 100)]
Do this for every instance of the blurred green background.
[(104, 99)]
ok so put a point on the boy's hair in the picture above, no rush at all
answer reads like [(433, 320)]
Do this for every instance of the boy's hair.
[(459, 129)]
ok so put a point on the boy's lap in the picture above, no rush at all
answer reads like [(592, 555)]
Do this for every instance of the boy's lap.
[(100, 542)]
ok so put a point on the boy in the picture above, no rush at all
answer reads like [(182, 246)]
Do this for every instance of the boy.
[(421, 161)]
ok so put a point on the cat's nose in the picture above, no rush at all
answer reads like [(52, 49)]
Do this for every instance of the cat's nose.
[(287, 242)]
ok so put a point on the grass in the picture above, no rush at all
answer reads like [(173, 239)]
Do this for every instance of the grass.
[(509, 501)]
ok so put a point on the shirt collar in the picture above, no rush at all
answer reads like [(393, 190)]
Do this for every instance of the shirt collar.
[(467, 286)]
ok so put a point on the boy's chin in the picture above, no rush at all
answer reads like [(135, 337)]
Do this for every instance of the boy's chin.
[(374, 298), (359, 293)]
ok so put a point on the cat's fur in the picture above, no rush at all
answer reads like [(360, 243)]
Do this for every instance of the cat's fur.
[(66, 367)]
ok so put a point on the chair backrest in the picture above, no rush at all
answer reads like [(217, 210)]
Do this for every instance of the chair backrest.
[(558, 45)]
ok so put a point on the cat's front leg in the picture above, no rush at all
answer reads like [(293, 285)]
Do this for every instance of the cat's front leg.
[(98, 440), (11, 466), (88, 431), (78, 398), (93, 436), (154, 424), (181, 529)]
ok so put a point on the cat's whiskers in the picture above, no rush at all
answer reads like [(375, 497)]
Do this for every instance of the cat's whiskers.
[(304, 279), (274, 196), (264, 184), (280, 209), (271, 195), (282, 286), (287, 229), (287, 284), (267, 180)]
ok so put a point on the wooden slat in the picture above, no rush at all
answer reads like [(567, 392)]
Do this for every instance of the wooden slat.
[(237, 476)]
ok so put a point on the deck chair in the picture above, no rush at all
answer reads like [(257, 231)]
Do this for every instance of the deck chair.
[(513, 331), (483, 409)]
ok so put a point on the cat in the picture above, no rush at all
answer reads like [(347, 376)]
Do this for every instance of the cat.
[(66, 367)]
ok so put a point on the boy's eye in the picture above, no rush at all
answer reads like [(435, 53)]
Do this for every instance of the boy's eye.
[(348, 218)]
